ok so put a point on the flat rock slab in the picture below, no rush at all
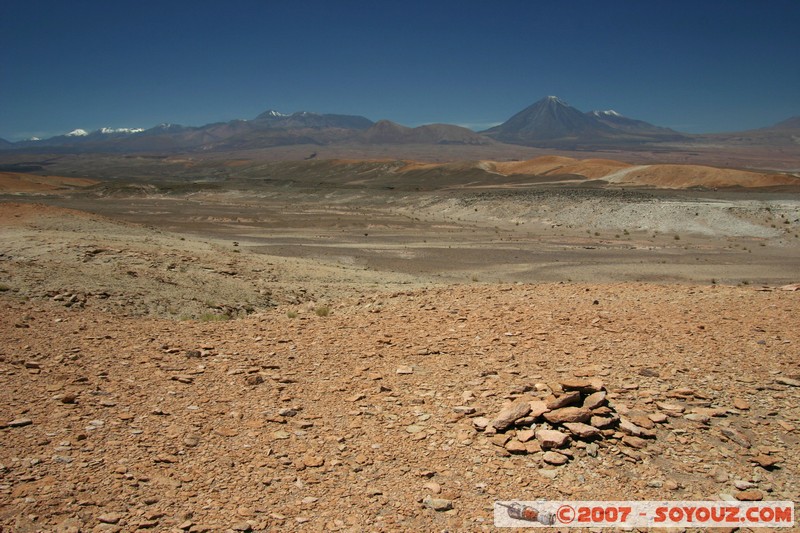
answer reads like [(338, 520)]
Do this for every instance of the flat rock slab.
[(506, 418), (629, 428), (555, 458), (568, 414), (594, 400), (586, 386), (736, 436), (583, 431), (516, 447), (551, 438), (765, 461), (568, 398), (438, 504), (671, 408), (538, 408), (752, 495)]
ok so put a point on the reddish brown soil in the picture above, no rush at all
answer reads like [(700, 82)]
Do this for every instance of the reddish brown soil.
[(350, 397), (15, 182), (297, 418)]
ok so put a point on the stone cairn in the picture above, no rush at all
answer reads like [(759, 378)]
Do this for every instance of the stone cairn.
[(578, 414)]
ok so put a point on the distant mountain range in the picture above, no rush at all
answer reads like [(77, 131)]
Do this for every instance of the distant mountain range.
[(303, 119), (548, 123), (387, 132)]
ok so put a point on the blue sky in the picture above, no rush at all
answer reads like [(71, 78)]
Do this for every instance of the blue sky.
[(696, 66)]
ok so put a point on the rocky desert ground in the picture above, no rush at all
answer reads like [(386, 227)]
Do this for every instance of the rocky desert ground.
[(269, 355)]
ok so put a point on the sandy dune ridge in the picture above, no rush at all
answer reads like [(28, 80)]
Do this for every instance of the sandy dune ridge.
[(658, 176), (11, 182)]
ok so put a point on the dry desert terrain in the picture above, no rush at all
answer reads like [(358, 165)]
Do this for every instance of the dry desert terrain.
[(344, 354)]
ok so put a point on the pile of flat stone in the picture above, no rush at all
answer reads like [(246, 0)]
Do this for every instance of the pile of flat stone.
[(574, 411)]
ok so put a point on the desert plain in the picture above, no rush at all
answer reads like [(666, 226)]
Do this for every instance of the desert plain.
[(269, 343)]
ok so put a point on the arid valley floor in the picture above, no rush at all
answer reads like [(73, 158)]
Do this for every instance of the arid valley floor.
[(256, 346)]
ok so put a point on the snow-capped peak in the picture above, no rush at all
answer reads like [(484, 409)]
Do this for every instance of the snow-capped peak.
[(34, 139), (607, 113), (121, 130), (273, 113), (78, 133)]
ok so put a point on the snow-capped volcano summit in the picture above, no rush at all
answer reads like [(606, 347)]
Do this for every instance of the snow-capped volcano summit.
[(108, 131), (273, 113), (306, 119), (607, 113), (79, 132), (554, 100), (632, 126)]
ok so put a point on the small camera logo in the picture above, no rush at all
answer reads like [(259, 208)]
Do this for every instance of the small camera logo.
[(527, 513)]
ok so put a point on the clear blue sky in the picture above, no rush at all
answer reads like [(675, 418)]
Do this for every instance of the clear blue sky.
[(696, 66)]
